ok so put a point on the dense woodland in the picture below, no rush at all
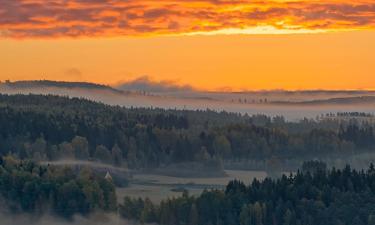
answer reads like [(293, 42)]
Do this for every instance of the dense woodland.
[(37, 128), (313, 196), (51, 128), (28, 187)]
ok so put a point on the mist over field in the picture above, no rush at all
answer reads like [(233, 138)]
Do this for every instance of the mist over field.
[(94, 219)]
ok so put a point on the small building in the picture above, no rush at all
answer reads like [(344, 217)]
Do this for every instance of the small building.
[(108, 176)]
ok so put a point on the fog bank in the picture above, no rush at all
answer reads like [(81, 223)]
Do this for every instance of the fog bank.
[(292, 105)]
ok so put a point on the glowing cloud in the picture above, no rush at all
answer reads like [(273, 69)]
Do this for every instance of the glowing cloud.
[(76, 18)]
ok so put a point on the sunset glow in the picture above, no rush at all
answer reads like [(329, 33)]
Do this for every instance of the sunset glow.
[(207, 44), (75, 18)]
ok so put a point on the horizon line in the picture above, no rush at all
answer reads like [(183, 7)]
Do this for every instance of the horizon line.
[(193, 89)]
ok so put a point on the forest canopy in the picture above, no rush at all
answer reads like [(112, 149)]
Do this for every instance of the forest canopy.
[(46, 127), (329, 197), (26, 186)]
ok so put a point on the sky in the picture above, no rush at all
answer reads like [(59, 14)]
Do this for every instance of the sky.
[(205, 44)]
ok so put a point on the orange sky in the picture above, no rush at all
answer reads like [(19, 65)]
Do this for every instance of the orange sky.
[(209, 44)]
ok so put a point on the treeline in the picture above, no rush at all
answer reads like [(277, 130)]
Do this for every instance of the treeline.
[(76, 149), (58, 84), (36, 189), (314, 196), (51, 127)]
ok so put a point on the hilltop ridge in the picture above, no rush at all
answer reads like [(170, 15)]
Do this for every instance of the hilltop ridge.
[(25, 84)]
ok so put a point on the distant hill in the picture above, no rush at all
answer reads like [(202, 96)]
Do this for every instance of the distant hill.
[(309, 92), (31, 84), (339, 101)]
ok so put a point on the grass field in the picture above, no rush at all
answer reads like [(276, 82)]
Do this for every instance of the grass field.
[(158, 187)]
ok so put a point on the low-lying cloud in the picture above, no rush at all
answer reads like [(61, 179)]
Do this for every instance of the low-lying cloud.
[(76, 18), (73, 73), (146, 84)]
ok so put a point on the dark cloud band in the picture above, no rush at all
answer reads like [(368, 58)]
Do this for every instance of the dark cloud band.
[(75, 18)]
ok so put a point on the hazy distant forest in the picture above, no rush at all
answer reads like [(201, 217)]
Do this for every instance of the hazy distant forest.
[(47, 128), (38, 128)]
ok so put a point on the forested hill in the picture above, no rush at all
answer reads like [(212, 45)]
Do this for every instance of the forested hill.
[(36, 189), (32, 84), (51, 127)]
